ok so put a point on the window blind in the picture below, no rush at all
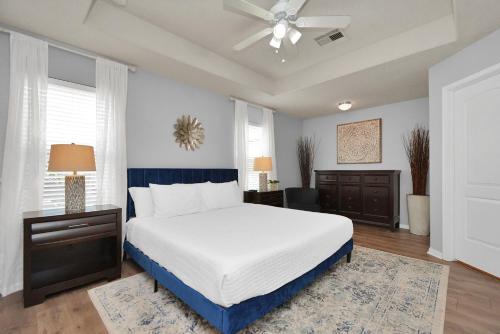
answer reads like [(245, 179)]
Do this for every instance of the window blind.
[(254, 150), (71, 118)]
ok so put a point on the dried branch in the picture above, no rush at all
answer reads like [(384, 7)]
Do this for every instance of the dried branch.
[(306, 150), (417, 149)]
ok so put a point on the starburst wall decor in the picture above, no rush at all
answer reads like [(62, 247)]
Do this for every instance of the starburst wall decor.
[(189, 133)]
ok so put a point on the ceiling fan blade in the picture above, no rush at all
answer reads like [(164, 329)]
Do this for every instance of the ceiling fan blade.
[(252, 39), (294, 6), (248, 8), (341, 21)]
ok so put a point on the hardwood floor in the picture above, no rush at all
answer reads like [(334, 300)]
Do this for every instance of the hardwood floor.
[(473, 301)]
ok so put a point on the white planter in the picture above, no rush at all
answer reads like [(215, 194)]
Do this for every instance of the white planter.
[(418, 214)]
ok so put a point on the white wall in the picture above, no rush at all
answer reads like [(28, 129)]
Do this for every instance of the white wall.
[(397, 119), (476, 57)]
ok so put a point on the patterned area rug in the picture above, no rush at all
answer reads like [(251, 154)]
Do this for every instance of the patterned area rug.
[(377, 292)]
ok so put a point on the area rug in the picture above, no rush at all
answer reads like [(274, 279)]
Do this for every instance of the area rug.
[(377, 292)]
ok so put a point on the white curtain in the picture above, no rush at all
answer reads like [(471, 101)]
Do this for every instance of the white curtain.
[(111, 152), (241, 141), (25, 152), (268, 149)]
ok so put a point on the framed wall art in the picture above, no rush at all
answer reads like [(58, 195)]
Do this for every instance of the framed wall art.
[(359, 142)]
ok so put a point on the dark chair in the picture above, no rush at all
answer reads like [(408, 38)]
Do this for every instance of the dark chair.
[(306, 199)]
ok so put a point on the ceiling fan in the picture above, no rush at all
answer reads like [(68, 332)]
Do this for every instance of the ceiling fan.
[(283, 17)]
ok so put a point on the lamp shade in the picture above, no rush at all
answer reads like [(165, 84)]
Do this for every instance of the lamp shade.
[(71, 157), (263, 164)]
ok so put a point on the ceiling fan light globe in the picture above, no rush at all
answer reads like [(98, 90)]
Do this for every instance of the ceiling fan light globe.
[(280, 29), (275, 42), (294, 35)]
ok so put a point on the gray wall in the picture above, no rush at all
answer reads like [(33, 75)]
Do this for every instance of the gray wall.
[(153, 105), (476, 57), (397, 119)]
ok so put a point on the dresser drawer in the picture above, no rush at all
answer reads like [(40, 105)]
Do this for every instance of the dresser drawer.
[(350, 198), (377, 179), (327, 178), (350, 178), (376, 201), (71, 224), (328, 197)]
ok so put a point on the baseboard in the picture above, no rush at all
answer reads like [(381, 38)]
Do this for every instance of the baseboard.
[(404, 227), (435, 253)]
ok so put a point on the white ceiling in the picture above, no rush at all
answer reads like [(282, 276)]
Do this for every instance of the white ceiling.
[(385, 58)]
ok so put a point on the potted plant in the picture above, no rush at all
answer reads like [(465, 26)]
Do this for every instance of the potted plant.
[(273, 185), (416, 145)]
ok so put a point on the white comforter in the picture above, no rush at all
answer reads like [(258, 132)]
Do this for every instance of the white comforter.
[(230, 255)]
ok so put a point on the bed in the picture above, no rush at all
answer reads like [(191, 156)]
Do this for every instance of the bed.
[(232, 266)]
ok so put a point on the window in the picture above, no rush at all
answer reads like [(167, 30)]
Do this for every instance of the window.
[(254, 150), (71, 118)]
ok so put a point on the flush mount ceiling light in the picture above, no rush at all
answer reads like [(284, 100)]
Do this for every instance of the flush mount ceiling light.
[(280, 18), (344, 106)]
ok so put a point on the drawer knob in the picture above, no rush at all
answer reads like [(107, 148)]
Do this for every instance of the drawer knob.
[(375, 200), (349, 198)]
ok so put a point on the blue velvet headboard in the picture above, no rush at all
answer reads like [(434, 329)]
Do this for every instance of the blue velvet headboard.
[(142, 177)]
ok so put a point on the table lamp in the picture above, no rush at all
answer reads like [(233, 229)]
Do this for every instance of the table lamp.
[(263, 164), (72, 158)]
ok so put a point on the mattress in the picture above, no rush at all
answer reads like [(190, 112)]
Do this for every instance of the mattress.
[(233, 254)]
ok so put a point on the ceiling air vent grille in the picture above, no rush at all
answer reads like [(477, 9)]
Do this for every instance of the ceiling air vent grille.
[(329, 37)]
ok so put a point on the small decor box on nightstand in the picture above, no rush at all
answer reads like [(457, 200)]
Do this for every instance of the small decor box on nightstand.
[(64, 250), (273, 198)]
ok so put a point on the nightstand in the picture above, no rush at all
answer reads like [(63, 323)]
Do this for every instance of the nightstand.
[(65, 250), (273, 198)]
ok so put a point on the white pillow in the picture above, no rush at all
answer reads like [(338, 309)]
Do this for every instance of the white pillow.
[(220, 195), (175, 199), (143, 201)]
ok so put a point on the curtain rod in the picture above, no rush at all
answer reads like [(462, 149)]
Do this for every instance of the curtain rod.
[(66, 47), (251, 103)]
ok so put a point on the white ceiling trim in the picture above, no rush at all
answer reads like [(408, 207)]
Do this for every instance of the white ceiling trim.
[(436, 33), (127, 27)]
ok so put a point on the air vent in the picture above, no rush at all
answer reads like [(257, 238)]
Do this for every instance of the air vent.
[(329, 37)]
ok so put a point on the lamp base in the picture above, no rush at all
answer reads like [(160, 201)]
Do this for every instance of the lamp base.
[(262, 181), (74, 194)]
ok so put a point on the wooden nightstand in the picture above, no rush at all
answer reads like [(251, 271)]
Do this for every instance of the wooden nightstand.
[(64, 250), (273, 198)]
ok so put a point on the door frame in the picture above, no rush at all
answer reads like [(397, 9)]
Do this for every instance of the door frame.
[(448, 156)]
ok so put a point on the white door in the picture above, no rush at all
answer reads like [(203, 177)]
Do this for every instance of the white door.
[(477, 174)]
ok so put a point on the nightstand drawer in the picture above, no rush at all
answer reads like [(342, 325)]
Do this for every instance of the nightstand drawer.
[(72, 224), (71, 234)]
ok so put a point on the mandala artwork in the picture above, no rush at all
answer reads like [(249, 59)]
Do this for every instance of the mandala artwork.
[(359, 142), (189, 133)]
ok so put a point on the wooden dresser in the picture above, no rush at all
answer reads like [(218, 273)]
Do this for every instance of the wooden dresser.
[(273, 198), (365, 196), (64, 250)]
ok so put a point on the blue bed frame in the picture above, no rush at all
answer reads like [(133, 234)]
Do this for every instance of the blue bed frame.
[(227, 320)]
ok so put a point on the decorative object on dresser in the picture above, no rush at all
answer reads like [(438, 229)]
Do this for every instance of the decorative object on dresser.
[(417, 149), (72, 158), (359, 142), (272, 198), (64, 250), (189, 133), (306, 199), (263, 165), (365, 196), (274, 185), (306, 150)]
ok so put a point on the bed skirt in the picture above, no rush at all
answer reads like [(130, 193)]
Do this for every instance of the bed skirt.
[(229, 320)]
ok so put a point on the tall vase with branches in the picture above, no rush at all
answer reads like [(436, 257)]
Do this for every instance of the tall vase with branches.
[(306, 150), (416, 145)]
